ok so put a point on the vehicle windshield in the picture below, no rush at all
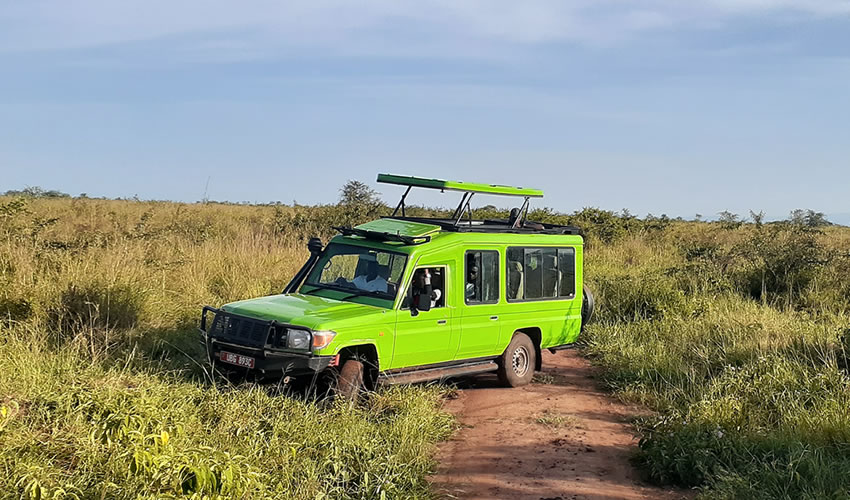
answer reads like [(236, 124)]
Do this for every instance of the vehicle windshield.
[(358, 271)]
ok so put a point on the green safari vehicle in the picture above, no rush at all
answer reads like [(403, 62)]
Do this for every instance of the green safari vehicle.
[(405, 299)]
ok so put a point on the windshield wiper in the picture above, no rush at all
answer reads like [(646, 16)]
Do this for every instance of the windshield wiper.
[(351, 292), (362, 293), (326, 286), (316, 289)]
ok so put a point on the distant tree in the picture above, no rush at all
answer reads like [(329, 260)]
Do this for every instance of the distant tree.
[(757, 217), (729, 220), (808, 218), (37, 192), (360, 203), (356, 193), (698, 217)]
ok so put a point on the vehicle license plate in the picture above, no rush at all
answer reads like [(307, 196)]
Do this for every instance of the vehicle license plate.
[(237, 359)]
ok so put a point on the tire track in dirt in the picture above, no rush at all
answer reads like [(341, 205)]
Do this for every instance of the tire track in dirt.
[(560, 437)]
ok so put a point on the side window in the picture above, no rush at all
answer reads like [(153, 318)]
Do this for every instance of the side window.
[(418, 286), (481, 271), (567, 265), (540, 273), (515, 273), (533, 274)]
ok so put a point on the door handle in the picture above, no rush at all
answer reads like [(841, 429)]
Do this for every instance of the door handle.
[(494, 317), (441, 322)]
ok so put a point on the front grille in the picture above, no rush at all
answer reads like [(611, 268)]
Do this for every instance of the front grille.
[(240, 329)]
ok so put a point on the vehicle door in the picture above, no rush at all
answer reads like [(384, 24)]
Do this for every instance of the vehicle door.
[(479, 322), (427, 337)]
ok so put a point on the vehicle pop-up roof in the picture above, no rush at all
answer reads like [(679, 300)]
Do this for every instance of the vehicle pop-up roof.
[(517, 223)]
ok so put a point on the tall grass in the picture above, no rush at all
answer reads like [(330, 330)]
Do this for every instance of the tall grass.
[(737, 335), (100, 394), (738, 338)]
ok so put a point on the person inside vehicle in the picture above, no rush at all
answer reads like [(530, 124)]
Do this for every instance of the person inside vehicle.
[(372, 280), (422, 294), (471, 277)]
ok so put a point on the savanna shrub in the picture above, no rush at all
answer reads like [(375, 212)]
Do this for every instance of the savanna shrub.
[(96, 305), (779, 261), (15, 308), (644, 295)]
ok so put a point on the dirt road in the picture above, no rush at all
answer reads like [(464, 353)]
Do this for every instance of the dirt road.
[(559, 438)]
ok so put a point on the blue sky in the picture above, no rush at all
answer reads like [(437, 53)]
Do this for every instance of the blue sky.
[(660, 106)]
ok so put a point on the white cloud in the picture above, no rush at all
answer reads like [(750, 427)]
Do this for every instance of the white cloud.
[(370, 25)]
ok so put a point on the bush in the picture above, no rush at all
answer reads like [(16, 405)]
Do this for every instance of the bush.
[(644, 296), (96, 305), (781, 262)]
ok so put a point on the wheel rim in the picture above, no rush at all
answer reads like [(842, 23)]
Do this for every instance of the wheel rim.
[(520, 361)]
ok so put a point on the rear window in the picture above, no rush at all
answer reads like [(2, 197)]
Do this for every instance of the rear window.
[(540, 273)]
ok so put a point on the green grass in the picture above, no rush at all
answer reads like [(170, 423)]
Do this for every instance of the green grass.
[(100, 393), (737, 336), (556, 420), (72, 428), (750, 385)]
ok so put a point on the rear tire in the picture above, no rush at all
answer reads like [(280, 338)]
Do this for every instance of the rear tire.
[(349, 383), (588, 303), (516, 365)]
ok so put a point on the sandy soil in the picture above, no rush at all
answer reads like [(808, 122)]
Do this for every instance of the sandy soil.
[(559, 438)]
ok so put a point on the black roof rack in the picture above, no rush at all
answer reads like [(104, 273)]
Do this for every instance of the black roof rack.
[(491, 226), (382, 236)]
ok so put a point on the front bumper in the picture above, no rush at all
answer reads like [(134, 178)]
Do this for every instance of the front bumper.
[(268, 360)]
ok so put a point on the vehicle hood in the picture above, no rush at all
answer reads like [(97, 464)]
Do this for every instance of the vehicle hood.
[(305, 310)]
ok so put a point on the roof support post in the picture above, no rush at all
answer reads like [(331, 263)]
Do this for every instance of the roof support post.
[(401, 202), (457, 212), (464, 208), (523, 214)]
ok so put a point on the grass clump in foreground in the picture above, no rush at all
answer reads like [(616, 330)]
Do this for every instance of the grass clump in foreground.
[(72, 428)]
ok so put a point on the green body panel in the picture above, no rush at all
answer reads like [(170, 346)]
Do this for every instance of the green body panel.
[(454, 332), (471, 187)]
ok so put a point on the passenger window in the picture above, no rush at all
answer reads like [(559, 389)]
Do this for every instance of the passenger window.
[(418, 287), (567, 265), (515, 274), (533, 274), (482, 277), (540, 273)]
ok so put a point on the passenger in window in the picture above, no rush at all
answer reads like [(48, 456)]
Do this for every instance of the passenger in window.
[(471, 278), (436, 294), (421, 292), (515, 279), (372, 280)]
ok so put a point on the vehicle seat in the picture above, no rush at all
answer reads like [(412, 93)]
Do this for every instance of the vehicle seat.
[(551, 276)]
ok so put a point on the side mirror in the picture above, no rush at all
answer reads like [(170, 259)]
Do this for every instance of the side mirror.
[(424, 304)]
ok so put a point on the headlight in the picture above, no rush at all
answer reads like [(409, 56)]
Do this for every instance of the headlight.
[(322, 339), (297, 339)]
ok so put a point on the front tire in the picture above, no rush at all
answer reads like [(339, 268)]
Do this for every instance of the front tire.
[(516, 365), (349, 383)]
